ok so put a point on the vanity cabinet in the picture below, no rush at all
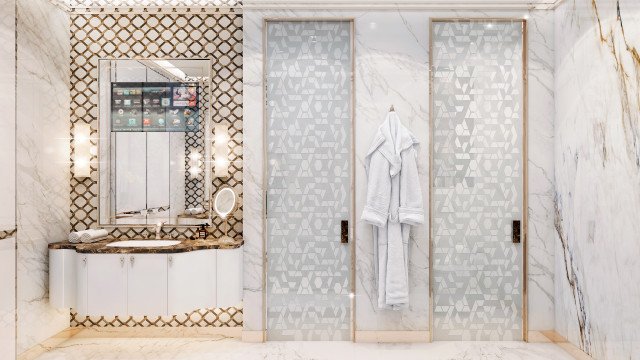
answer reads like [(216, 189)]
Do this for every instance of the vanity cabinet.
[(147, 284)]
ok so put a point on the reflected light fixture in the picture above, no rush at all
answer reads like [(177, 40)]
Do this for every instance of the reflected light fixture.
[(221, 150), (82, 150)]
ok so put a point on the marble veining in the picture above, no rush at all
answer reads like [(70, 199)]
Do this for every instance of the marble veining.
[(597, 165), (42, 175), (220, 347), (101, 247)]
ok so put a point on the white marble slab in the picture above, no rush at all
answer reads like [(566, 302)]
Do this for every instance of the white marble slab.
[(43, 177), (231, 349), (8, 120), (597, 152)]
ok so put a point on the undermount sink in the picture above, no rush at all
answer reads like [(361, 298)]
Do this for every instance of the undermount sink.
[(143, 243)]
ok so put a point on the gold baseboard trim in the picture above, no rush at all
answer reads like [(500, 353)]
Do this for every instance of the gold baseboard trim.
[(535, 336), (562, 342), (48, 344), (252, 336), (377, 336)]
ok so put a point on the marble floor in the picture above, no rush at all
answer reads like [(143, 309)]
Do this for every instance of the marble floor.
[(221, 348)]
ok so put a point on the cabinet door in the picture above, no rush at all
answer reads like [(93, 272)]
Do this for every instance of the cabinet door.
[(147, 284), (229, 274), (191, 281), (106, 284)]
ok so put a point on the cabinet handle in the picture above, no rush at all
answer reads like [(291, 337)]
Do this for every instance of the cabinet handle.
[(121, 260), (132, 260), (84, 261), (170, 260)]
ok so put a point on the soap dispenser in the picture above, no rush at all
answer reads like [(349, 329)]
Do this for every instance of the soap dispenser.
[(202, 232)]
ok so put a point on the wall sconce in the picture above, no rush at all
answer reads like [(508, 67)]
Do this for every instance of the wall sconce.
[(82, 150), (221, 148)]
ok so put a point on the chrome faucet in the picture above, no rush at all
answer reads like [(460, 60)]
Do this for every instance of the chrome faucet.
[(159, 230)]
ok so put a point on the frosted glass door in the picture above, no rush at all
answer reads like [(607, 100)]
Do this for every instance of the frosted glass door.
[(308, 107), (477, 185)]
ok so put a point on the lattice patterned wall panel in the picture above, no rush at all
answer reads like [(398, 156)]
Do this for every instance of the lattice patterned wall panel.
[(224, 317), (213, 36)]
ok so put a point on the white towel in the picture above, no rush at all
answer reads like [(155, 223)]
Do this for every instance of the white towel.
[(88, 236), (194, 211)]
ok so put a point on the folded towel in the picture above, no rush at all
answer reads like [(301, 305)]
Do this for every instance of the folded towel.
[(88, 236), (194, 211)]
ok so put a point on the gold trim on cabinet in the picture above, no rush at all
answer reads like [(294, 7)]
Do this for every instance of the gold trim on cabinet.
[(525, 211)]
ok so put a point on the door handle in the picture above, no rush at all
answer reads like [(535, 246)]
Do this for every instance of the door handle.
[(344, 231), (515, 231)]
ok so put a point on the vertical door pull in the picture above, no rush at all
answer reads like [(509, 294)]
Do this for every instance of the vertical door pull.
[(344, 231), (515, 231)]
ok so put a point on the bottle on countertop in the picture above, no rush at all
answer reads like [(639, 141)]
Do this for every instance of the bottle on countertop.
[(202, 232)]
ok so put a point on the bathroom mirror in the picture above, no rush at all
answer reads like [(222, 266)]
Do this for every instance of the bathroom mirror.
[(224, 202), (154, 118)]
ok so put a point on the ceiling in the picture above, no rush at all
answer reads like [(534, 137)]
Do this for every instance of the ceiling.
[(319, 4)]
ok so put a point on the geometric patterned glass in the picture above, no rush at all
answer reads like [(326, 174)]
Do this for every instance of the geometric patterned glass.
[(308, 108), (477, 179)]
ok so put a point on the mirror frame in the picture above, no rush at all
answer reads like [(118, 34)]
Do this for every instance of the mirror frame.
[(233, 208), (98, 139)]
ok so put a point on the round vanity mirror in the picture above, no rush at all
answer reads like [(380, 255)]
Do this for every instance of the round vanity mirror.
[(224, 202)]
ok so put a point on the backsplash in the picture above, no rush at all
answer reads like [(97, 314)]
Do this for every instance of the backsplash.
[(212, 36)]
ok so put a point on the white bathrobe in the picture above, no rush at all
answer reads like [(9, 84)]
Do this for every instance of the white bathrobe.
[(394, 203)]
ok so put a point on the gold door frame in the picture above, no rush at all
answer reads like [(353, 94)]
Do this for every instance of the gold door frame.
[(352, 201), (525, 198)]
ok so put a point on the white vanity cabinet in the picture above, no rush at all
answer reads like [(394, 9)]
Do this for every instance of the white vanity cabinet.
[(191, 281), (151, 284), (147, 284)]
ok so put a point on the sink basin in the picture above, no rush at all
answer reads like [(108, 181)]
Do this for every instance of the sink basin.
[(143, 243)]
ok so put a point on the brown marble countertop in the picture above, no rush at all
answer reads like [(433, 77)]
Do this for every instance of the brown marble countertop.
[(185, 245)]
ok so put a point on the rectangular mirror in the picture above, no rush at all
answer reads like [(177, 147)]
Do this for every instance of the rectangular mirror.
[(154, 130)]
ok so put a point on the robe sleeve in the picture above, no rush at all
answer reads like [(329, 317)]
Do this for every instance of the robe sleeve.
[(411, 211), (376, 210)]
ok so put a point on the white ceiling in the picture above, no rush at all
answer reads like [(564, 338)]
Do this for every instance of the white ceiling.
[(404, 4), (324, 4)]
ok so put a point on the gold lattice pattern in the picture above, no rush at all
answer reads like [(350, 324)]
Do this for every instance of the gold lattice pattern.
[(214, 36), (224, 317), (5, 234)]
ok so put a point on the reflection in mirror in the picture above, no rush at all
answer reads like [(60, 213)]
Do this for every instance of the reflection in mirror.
[(225, 203), (153, 131)]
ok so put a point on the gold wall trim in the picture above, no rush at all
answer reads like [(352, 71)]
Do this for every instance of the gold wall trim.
[(525, 157)]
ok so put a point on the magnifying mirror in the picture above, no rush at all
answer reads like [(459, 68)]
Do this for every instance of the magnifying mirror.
[(224, 204)]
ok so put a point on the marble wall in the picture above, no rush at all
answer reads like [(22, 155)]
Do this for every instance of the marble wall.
[(42, 157), (7, 181), (392, 67), (597, 162)]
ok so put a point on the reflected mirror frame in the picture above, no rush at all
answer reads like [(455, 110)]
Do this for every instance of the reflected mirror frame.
[(208, 185)]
